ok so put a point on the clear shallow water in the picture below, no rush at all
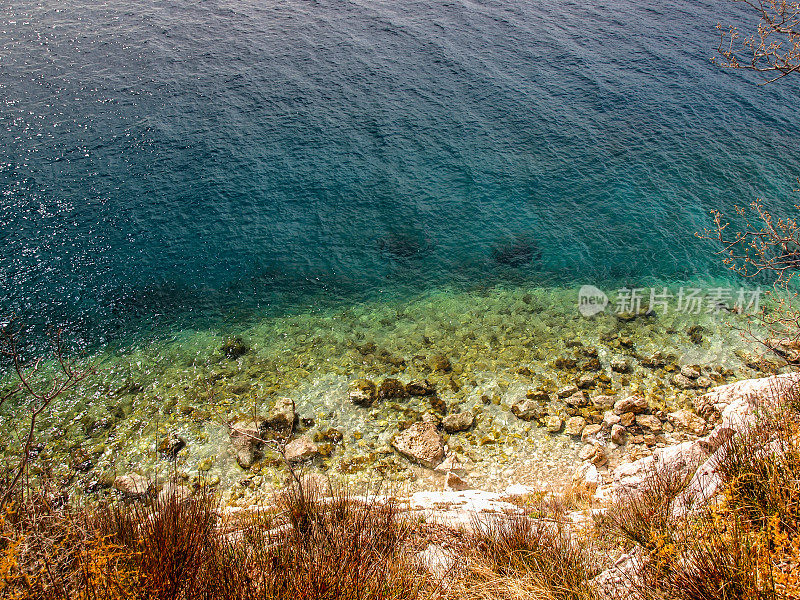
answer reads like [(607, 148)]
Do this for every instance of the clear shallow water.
[(317, 176), (184, 164)]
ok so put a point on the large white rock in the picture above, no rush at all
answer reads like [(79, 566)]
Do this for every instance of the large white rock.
[(680, 460), (763, 390)]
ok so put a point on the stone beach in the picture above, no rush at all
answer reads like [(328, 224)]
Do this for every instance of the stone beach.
[(495, 387)]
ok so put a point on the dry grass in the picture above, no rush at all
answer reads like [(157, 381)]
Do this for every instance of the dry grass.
[(517, 556), (177, 547), (174, 548), (745, 546)]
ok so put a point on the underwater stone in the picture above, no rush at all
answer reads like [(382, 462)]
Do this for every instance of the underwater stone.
[(282, 417), (695, 333), (655, 360), (565, 362), (537, 395), (234, 348), (403, 245), (363, 392), (627, 419), (690, 371), (458, 422), (590, 431), (567, 391), (648, 422), (517, 253), (554, 423), (586, 381), (390, 359), (246, 441), (365, 349), (634, 404), (602, 401), (456, 483), (334, 436), (438, 405), (430, 417), (577, 400), (440, 363), (704, 382), (527, 410), (593, 364), (574, 426), (299, 449), (170, 447), (627, 317), (422, 443), (620, 365), (683, 382), (595, 454), (420, 388), (618, 433), (391, 389)]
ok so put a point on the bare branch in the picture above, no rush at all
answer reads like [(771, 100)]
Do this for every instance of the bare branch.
[(774, 49), (69, 375)]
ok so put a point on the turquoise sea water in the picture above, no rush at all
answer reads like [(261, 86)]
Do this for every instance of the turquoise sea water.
[(318, 176), (178, 163)]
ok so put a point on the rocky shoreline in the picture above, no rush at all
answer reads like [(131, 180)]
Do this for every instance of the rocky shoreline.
[(476, 390), (692, 453)]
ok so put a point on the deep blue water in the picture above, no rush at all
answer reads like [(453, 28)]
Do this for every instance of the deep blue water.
[(203, 161)]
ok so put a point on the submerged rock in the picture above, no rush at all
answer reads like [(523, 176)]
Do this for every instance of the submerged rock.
[(567, 391), (634, 404), (649, 422), (458, 422), (456, 483), (169, 447), (363, 392), (620, 365), (282, 417), (246, 441), (421, 443), (300, 449), (554, 423), (618, 433), (528, 410), (590, 431), (538, 395), (603, 401), (577, 400), (391, 389), (403, 245), (441, 364), (575, 426), (690, 371), (420, 388), (438, 405), (683, 382), (234, 348), (517, 253)]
